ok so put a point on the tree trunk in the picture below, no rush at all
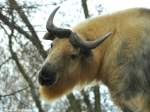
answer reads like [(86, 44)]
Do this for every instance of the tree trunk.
[(97, 99), (74, 104), (87, 101), (85, 8), (25, 76), (96, 88)]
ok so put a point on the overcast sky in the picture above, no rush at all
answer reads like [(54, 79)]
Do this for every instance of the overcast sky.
[(114, 5)]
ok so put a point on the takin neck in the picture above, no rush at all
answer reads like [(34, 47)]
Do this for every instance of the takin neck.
[(95, 28)]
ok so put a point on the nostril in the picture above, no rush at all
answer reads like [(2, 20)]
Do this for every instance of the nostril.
[(45, 73), (46, 77)]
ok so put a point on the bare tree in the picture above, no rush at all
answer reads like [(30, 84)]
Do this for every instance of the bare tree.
[(20, 67), (31, 36), (25, 59), (96, 88)]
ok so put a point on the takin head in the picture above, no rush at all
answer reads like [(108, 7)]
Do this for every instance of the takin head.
[(70, 61)]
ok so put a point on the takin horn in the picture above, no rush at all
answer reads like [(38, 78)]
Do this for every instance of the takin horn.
[(78, 42), (60, 32), (74, 38)]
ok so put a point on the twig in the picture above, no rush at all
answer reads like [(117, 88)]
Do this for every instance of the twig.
[(24, 74), (26, 21), (19, 29), (3, 63), (13, 93)]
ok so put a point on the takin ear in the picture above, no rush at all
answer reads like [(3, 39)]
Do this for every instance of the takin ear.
[(48, 36)]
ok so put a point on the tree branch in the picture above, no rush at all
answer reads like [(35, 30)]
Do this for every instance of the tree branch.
[(35, 39), (3, 63), (97, 99), (87, 101), (14, 5), (22, 71), (11, 25), (85, 8), (74, 104), (25, 76), (13, 93)]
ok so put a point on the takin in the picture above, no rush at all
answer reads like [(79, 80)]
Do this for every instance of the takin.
[(113, 49)]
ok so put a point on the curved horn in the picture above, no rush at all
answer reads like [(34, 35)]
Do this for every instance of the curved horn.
[(78, 42), (60, 32)]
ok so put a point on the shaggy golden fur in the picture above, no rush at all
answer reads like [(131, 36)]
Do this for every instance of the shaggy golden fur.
[(122, 62)]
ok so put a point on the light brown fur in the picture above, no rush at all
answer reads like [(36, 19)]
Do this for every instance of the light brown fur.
[(129, 27)]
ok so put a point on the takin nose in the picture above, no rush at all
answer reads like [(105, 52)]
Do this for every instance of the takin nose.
[(47, 75)]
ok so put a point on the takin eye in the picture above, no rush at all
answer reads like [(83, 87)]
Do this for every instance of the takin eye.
[(82, 53), (85, 52), (74, 56)]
